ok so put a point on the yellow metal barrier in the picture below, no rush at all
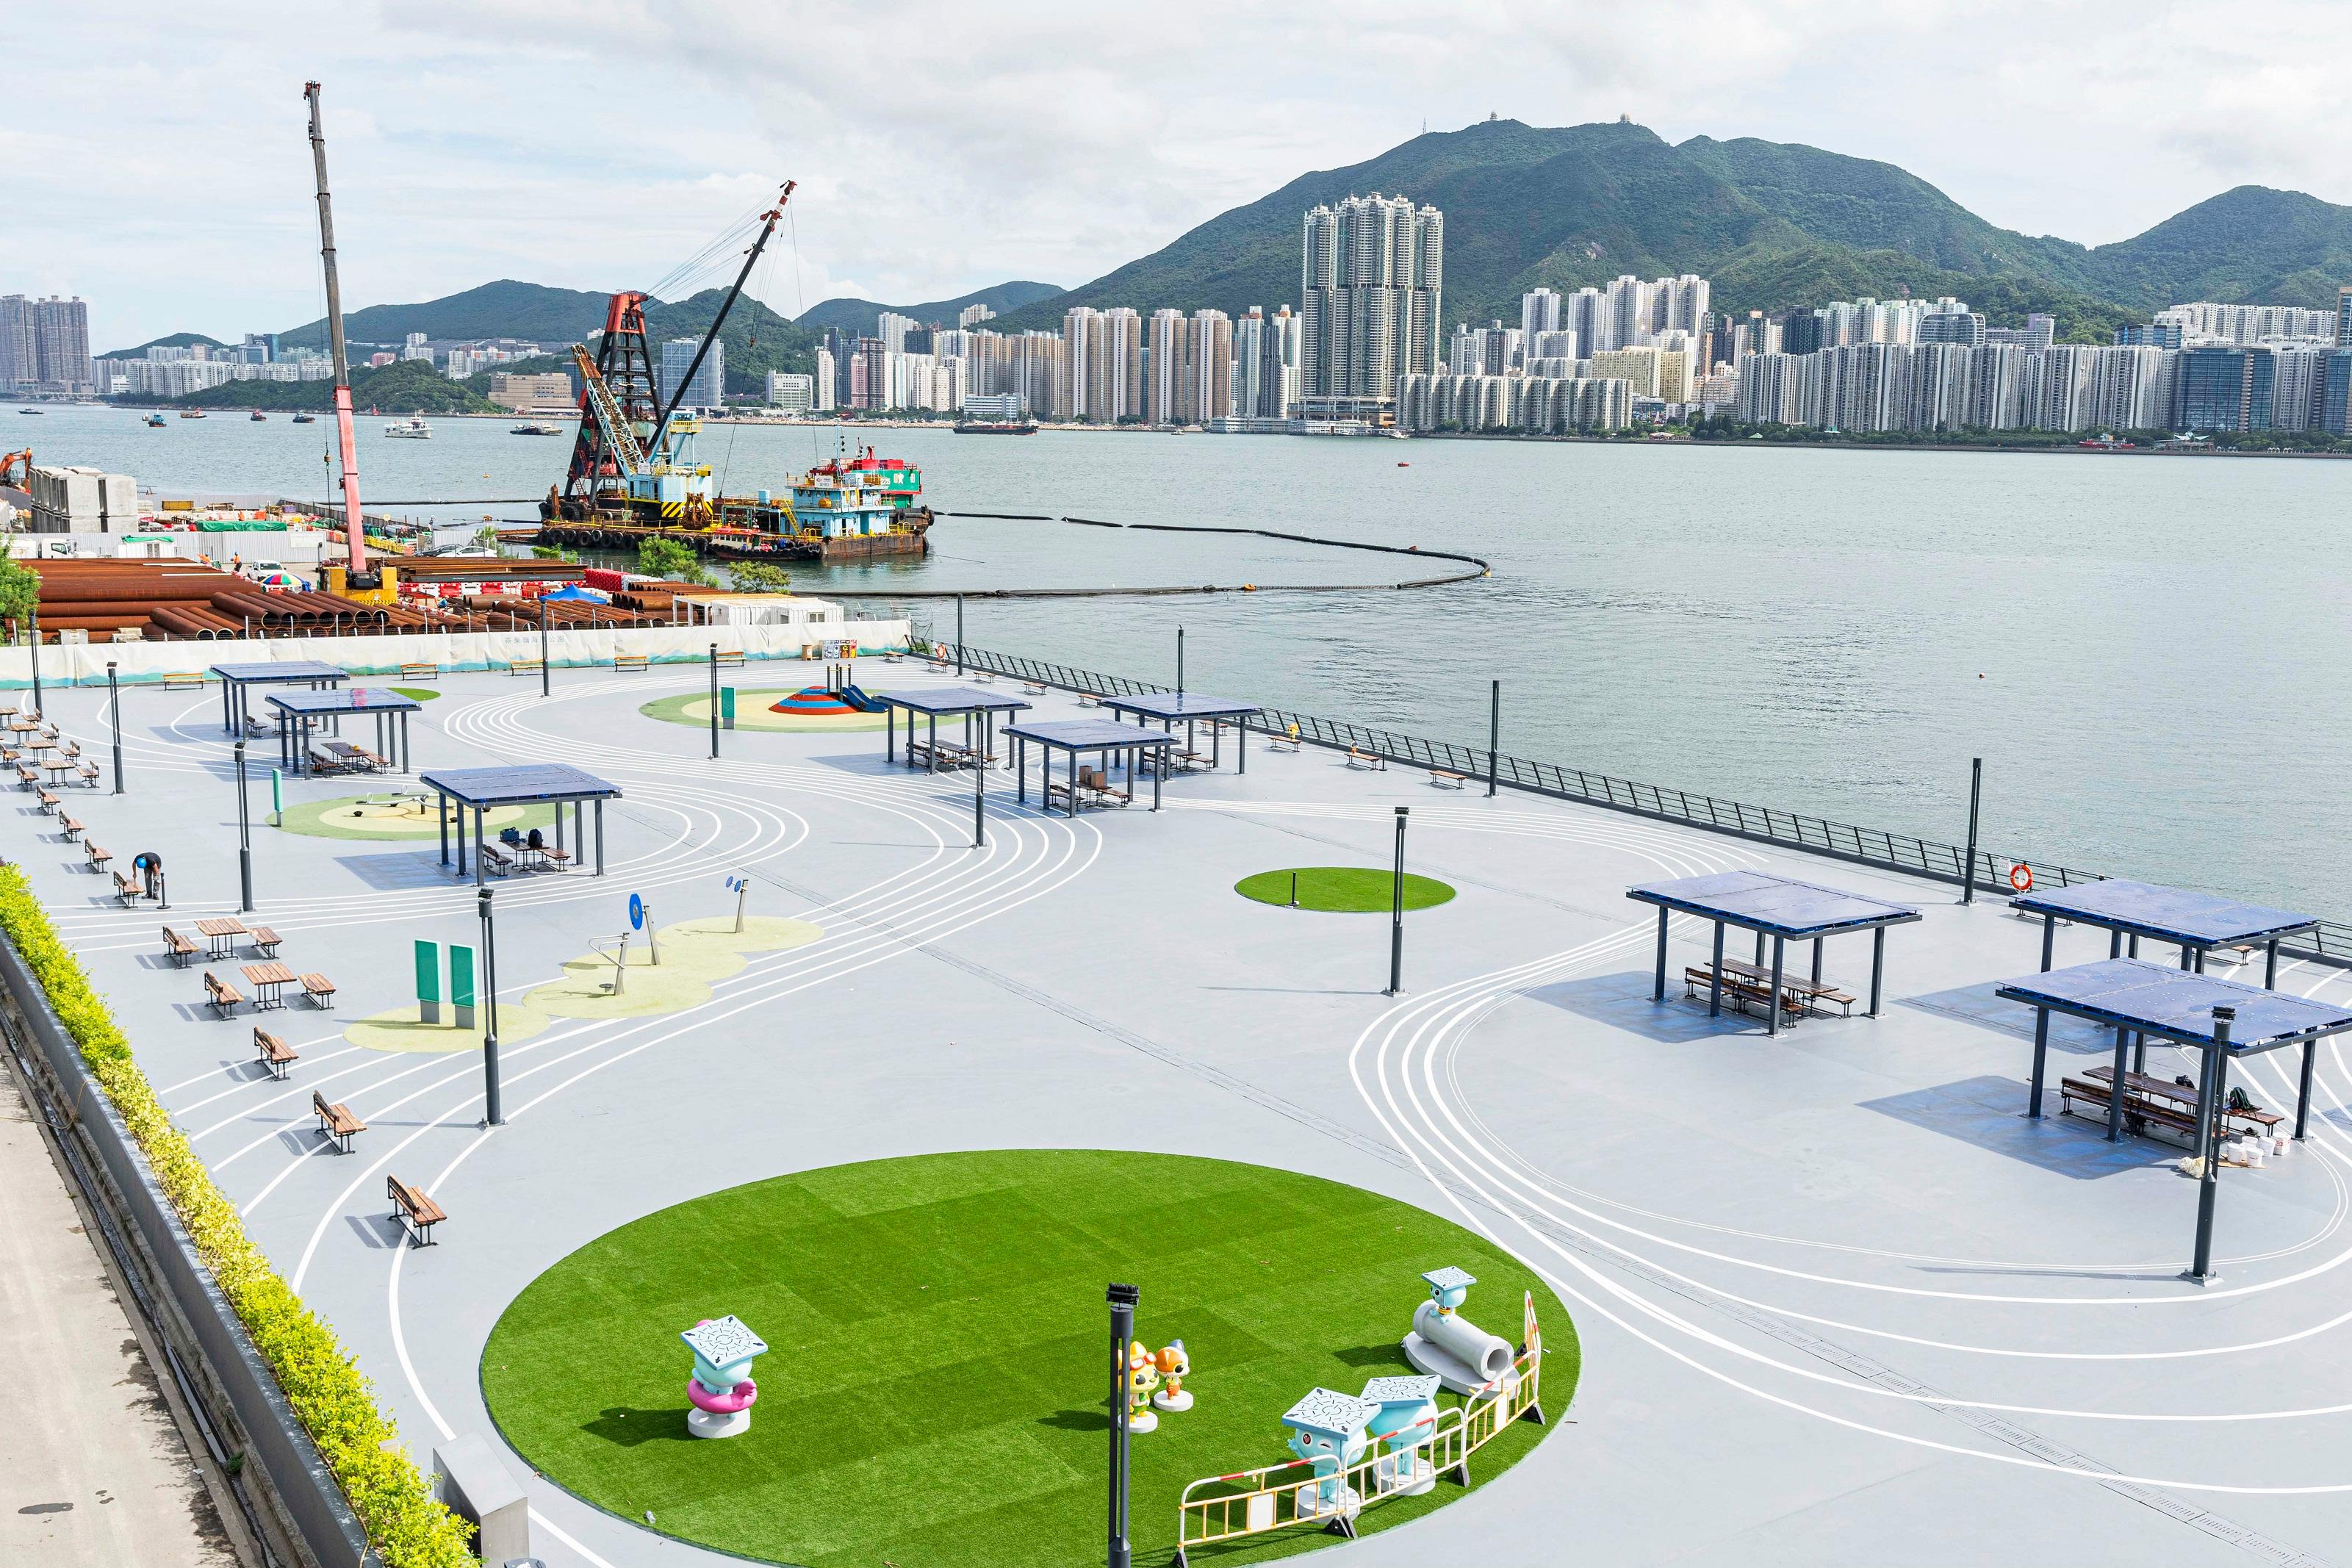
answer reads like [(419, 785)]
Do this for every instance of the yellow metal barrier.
[(1275, 1497)]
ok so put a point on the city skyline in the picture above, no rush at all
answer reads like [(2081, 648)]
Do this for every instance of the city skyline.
[(434, 193)]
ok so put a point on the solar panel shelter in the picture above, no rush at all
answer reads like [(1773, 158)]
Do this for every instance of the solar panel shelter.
[(1780, 908), (1193, 708), (238, 680), (2222, 1020), (300, 712), (977, 709), (1075, 738), (2195, 922), (479, 790)]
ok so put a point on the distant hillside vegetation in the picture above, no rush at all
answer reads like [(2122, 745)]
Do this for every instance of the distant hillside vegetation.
[(858, 315), (1774, 224), (176, 340), (505, 308), (405, 386)]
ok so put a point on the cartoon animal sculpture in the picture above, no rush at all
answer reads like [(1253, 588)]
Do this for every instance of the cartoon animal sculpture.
[(1142, 1378), (1328, 1432), (1174, 1366)]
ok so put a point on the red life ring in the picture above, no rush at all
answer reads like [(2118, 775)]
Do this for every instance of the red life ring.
[(2021, 877)]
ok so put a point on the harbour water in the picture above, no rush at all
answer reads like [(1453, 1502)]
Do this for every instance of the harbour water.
[(2153, 655)]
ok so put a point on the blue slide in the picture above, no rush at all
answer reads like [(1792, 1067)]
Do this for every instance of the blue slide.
[(858, 699)]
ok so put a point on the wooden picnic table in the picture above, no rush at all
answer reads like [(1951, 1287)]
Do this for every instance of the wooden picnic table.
[(58, 768), (1761, 975), (266, 979), (222, 931), (2181, 1096)]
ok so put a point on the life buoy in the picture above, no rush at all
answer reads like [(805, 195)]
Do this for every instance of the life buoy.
[(2021, 877)]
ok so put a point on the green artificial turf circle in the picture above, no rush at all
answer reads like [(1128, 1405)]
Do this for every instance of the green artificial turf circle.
[(933, 1394), (417, 693), (1343, 890)]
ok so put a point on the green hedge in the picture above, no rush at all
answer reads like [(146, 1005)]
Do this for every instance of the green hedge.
[(393, 1500)]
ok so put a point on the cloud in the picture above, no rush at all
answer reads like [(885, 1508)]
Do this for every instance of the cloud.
[(158, 160)]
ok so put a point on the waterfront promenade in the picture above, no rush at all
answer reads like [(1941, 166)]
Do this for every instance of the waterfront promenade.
[(1836, 1297)]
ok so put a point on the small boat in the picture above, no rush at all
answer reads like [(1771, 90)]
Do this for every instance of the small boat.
[(1404, 465), (996, 427), (533, 428), (155, 421), (28, 411), (305, 419), (413, 429), (258, 417), (192, 413)]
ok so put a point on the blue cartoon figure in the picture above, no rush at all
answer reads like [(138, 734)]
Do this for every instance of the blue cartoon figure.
[(1404, 1415), (1327, 1430)]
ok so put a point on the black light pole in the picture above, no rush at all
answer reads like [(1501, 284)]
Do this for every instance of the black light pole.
[(542, 646), (2215, 1076), (959, 639), (243, 837), (37, 656), (1976, 790), (114, 722), (714, 702), (492, 1115), (1493, 735), (1122, 1299), (980, 795), (1396, 911), (1180, 661)]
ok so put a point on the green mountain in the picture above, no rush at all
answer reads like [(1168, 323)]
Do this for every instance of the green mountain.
[(176, 340), (505, 309), (1773, 225), (756, 339), (857, 315)]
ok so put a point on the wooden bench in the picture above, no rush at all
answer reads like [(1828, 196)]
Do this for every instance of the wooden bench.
[(419, 1213), (318, 988), (1440, 779), (48, 800), (420, 672), (336, 1121), (126, 889), (265, 941), (275, 1054), (1090, 700), (524, 665), (629, 662), (72, 826), (1282, 739), (2139, 1110), (1034, 688), (87, 773), (97, 853), (1739, 993), (1370, 759), (178, 949), (183, 679), (219, 996), (495, 860)]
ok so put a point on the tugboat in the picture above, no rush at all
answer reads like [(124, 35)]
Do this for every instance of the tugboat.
[(155, 421), (192, 413), (305, 419), (258, 417)]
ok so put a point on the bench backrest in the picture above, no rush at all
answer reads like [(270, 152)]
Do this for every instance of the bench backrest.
[(318, 1103)]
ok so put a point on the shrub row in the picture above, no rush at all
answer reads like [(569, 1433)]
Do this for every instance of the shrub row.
[(408, 1527)]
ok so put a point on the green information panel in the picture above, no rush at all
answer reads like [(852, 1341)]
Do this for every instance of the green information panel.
[(428, 981)]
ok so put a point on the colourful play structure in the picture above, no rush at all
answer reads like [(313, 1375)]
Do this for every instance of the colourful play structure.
[(1352, 1451), (722, 1389)]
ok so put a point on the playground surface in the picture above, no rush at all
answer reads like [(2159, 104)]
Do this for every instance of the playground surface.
[(943, 1315), (1836, 1299)]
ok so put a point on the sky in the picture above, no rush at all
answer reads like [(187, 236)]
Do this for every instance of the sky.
[(157, 163)]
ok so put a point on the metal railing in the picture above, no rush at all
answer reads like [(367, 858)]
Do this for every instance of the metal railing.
[(2331, 944)]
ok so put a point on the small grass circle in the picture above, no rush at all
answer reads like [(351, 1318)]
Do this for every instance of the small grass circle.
[(417, 693), (933, 1394), (1343, 890)]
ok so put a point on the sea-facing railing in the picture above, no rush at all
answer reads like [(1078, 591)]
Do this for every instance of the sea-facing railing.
[(1943, 862)]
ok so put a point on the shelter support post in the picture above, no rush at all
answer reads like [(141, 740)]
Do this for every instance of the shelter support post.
[(2115, 944), (2115, 1090), (1877, 966), (1817, 959), (1156, 777), (1772, 1001), (1759, 948), (1715, 976), (441, 820), (2216, 1084), (1658, 992), (478, 846), (889, 735), (2041, 1059), (2302, 1090), (2270, 964), (2049, 939)]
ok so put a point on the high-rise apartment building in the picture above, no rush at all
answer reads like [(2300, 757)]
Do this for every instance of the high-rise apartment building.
[(1538, 313), (1170, 373), (1266, 364), (18, 358), (893, 328), (973, 315), (1372, 276), (2344, 318), (45, 344), (705, 390), (1102, 366)]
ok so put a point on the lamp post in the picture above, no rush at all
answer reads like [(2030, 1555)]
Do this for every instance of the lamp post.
[(1396, 910), (1494, 736), (1976, 790), (491, 1113), (980, 795), (1122, 1299), (1180, 661), (959, 638), (714, 702), (244, 838), (114, 722), (36, 655), (2214, 1075), (542, 645)]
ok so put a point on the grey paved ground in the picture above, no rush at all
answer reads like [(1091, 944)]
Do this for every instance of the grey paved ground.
[(1789, 1261), (93, 1472)]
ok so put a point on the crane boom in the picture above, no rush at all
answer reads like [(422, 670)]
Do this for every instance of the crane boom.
[(354, 539), (751, 259), (627, 455)]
